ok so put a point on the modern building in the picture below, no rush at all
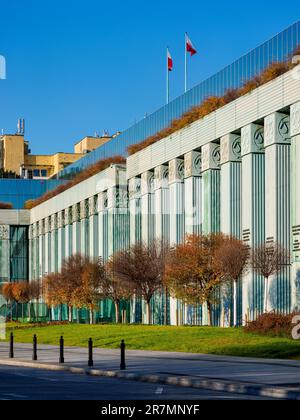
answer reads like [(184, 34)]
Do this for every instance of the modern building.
[(235, 171)]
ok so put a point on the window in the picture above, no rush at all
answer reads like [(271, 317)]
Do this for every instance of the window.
[(18, 253), (44, 173), (36, 172)]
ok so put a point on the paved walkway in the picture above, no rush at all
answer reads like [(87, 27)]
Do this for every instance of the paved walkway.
[(282, 373)]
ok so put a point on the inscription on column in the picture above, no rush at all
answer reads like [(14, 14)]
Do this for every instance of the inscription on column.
[(296, 238), (246, 235)]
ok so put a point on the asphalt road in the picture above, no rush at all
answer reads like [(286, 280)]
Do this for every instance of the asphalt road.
[(34, 384)]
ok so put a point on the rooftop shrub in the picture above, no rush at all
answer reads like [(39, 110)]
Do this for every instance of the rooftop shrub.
[(81, 176), (212, 103), (5, 206)]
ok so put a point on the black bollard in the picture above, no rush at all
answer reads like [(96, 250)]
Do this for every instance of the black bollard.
[(34, 353), (11, 346), (90, 362), (122, 364), (61, 350)]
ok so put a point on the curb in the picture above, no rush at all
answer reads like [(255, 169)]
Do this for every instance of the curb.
[(243, 388)]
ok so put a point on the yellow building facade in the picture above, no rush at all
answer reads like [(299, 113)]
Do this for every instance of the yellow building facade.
[(13, 150), (15, 157), (87, 144)]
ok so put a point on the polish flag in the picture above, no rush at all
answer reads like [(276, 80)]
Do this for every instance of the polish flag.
[(170, 61), (189, 46)]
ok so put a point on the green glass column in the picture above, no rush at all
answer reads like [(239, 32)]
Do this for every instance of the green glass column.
[(231, 220), (253, 212), (277, 178), (295, 206)]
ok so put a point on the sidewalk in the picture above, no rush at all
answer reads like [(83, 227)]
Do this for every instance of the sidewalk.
[(269, 377)]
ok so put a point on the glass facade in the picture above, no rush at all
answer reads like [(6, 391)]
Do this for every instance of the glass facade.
[(14, 253), (279, 48), (17, 191), (4, 254), (18, 253)]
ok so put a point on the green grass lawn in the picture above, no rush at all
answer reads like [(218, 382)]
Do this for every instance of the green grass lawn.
[(209, 340)]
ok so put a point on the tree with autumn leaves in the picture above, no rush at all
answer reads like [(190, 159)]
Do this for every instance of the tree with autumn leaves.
[(192, 274), (21, 292), (52, 284), (141, 268), (7, 293), (267, 260), (114, 289), (232, 260), (78, 285), (89, 292), (197, 268), (82, 283)]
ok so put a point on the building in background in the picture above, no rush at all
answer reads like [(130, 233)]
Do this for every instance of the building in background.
[(88, 144), (16, 159)]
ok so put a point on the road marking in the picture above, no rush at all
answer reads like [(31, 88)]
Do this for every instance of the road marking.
[(41, 378), (22, 374), (159, 390), (16, 395), (260, 374)]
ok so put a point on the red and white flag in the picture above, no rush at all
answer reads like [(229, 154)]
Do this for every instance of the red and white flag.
[(170, 61), (189, 46)]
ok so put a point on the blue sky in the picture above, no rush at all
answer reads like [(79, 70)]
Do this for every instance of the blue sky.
[(76, 67)]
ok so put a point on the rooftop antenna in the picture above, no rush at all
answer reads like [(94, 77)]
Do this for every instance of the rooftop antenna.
[(19, 126)]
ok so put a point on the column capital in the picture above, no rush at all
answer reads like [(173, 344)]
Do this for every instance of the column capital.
[(60, 219), (47, 224), (4, 232), (30, 232), (134, 188), (176, 170), (147, 182), (252, 140), (84, 209), (210, 156), (192, 164), (117, 197), (161, 177), (40, 228), (112, 197), (230, 148), (295, 119), (102, 201), (93, 205), (122, 197), (75, 212), (68, 216), (277, 129), (35, 230), (53, 222)]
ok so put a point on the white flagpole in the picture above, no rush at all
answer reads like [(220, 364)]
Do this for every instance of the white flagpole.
[(168, 77), (185, 63)]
